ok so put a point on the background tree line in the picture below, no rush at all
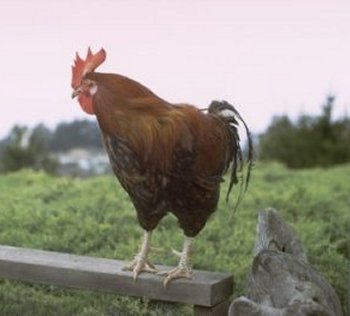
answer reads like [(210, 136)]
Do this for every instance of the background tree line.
[(35, 148), (309, 141)]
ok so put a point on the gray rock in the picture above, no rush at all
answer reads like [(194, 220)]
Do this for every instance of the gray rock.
[(281, 281)]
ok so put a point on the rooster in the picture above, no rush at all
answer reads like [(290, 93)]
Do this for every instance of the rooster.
[(168, 157)]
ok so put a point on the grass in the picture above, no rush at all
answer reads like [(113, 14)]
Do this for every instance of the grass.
[(95, 217)]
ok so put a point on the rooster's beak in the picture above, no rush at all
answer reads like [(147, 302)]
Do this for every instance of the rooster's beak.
[(75, 93)]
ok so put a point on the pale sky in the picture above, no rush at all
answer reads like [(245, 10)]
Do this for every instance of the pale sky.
[(265, 57)]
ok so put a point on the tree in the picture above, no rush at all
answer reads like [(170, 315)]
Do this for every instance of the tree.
[(28, 149), (310, 141), (79, 133)]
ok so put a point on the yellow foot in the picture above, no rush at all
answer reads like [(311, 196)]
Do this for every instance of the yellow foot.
[(184, 268), (176, 273), (139, 265)]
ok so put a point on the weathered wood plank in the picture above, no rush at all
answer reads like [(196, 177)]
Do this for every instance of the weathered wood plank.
[(90, 273), (276, 234), (218, 310)]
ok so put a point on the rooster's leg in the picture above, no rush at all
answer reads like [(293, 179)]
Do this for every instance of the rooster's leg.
[(184, 268), (140, 263)]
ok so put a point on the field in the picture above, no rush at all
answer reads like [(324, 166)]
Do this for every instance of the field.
[(94, 217)]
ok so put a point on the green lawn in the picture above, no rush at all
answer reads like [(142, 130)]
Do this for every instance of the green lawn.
[(94, 217)]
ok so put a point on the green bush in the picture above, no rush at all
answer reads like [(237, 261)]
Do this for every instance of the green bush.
[(309, 142), (27, 148)]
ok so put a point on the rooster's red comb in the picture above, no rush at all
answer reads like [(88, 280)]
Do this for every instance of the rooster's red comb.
[(82, 67)]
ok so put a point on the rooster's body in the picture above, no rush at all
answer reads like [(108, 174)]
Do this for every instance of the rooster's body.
[(169, 158)]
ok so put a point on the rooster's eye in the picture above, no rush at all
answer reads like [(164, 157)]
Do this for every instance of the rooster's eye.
[(93, 89)]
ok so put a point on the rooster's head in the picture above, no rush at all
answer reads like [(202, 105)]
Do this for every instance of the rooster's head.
[(84, 88)]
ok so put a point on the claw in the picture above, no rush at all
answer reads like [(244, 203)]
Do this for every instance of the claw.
[(184, 268), (175, 273), (139, 265), (140, 262)]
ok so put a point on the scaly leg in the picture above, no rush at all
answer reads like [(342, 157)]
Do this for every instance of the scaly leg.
[(184, 268), (140, 263)]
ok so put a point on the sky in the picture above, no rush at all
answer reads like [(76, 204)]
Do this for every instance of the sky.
[(266, 57)]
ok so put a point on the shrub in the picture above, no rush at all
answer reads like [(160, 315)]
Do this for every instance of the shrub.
[(308, 142)]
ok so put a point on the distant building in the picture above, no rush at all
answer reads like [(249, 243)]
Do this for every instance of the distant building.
[(82, 162)]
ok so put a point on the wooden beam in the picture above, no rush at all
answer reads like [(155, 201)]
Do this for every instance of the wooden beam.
[(206, 289), (217, 310)]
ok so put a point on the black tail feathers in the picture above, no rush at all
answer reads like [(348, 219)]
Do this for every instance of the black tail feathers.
[(231, 116)]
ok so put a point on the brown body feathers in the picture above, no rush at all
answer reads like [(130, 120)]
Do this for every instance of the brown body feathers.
[(169, 158)]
